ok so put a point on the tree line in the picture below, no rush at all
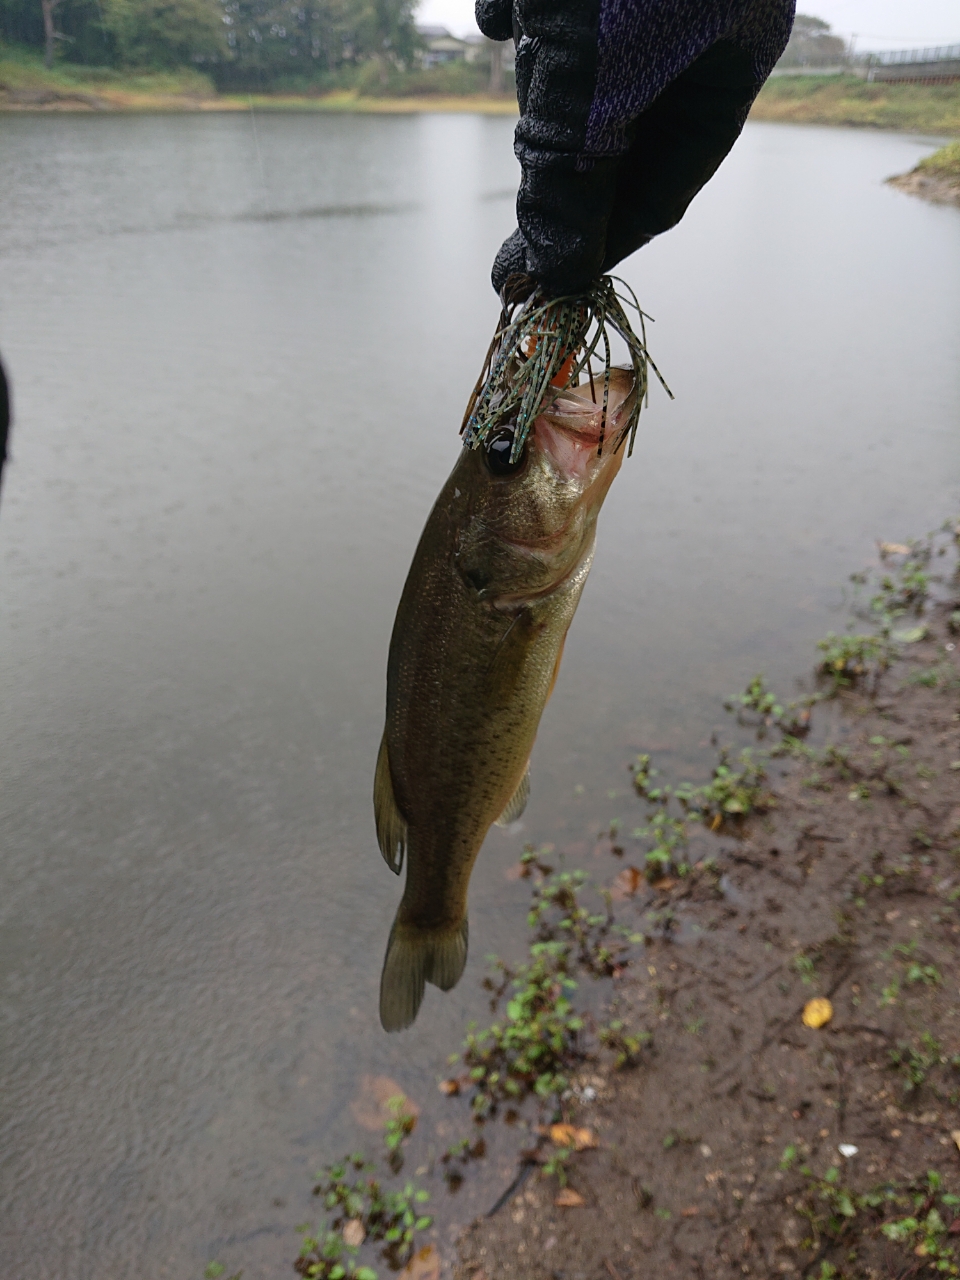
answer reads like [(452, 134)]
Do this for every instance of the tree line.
[(240, 42)]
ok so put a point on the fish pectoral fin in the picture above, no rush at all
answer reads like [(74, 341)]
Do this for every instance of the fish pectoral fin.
[(391, 825), (517, 802), (414, 957)]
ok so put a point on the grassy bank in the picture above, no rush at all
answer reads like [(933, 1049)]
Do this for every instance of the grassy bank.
[(936, 177), (25, 84), (845, 100)]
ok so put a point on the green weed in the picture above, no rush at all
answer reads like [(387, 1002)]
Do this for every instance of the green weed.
[(362, 1210)]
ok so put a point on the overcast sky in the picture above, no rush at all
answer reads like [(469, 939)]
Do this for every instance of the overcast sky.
[(877, 24)]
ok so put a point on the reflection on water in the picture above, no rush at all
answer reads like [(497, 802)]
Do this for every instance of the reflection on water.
[(237, 395)]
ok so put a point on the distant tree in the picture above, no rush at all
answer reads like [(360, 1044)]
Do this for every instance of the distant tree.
[(270, 38), (50, 33), (78, 23), (165, 33), (811, 44)]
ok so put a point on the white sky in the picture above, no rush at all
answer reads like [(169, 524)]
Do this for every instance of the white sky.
[(877, 24)]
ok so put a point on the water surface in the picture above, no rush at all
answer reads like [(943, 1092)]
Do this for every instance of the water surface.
[(240, 357)]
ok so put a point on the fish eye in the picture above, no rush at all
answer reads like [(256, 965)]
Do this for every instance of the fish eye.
[(498, 452)]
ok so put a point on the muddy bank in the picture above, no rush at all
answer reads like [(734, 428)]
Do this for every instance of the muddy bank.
[(745, 1142)]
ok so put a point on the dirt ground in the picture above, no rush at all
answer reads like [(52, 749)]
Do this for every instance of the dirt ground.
[(746, 1142)]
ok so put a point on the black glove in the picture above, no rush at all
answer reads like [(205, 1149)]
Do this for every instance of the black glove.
[(627, 107)]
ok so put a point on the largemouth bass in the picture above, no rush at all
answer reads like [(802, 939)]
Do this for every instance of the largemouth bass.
[(476, 646)]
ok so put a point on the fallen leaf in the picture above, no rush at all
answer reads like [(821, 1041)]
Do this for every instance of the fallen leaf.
[(666, 883), (717, 819), (424, 1265), (353, 1233), (894, 549), (449, 1087), (955, 1135), (910, 635), (568, 1135), (568, 1199), (691, 1212), (626, 883), (371, 1107), (519, 871), (817, 1012)]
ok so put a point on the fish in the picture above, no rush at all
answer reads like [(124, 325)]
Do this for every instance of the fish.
[(476, 646)]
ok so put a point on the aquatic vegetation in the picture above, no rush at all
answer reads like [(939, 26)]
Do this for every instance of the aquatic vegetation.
[(850, 658), (541, 1036), (363, 1211)]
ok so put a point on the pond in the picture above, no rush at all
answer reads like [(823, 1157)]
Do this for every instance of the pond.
[(241, 347)]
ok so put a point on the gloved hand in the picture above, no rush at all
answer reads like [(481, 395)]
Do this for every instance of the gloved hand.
[(627, 107)]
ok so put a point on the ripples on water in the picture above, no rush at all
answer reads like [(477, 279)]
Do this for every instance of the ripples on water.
[(238, 384)]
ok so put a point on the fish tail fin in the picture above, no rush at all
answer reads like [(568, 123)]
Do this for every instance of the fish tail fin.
[(416, 956)]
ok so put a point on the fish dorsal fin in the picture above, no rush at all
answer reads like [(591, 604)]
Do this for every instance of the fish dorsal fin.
[(518, 801), (391, 826)]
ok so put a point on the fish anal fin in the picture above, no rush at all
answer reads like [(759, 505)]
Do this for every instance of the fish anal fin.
[(391, 825), (518, 801), (414, 957)]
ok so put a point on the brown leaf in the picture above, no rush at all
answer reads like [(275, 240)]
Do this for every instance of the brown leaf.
[(371, 1107), (666, 883), (568, 1135), (626, 883), (519, 871), (353, 1233), (424, 1265), (449, 1087), (690, 1212), (568, 1199)]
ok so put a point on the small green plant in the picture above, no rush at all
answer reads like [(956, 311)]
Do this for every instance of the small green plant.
[(555, 1166), (730, 792), (850, 658), (915, 972), (626, 1045), (914, 1063), (531, 1049), (806, 967), (362, 1210), (792, 719), (841, 1218), (558, 914), (924, 1232), (397, 1129)]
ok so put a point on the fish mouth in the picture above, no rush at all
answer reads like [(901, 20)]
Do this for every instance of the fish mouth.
[(575, 435)]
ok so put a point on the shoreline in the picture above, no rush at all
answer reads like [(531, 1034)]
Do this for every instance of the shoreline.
[(795, 1092), (835, 101)]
